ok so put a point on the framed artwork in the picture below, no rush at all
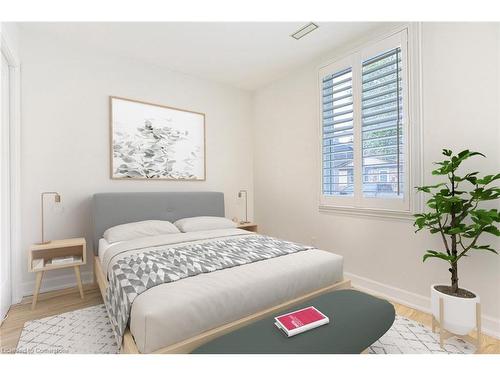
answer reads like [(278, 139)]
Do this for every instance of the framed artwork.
[(156, 142)]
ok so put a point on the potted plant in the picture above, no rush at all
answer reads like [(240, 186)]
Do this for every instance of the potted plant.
[(455, 215)]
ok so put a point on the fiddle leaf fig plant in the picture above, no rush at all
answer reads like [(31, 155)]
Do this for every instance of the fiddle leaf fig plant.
[(455, 214)]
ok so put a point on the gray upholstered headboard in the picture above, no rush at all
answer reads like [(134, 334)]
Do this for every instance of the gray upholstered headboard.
[(110, 209)]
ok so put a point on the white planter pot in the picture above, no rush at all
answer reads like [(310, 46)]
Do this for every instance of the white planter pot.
[(459, 313)]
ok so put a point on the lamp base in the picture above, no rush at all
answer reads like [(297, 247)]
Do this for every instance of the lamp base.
[(43, 243), (245, 222)]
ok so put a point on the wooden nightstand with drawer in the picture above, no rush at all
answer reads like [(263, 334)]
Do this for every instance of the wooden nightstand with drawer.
[(55, 255)]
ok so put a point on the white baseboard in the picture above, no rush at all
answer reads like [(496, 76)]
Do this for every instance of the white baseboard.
[(490, 325), (50, 284)]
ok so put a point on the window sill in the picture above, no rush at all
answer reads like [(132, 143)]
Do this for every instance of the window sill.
[(367, 212)]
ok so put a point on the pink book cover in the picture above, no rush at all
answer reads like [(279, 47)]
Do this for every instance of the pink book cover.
[(300, 318)]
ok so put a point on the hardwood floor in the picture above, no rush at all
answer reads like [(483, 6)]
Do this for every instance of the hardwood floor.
[(58, 302)]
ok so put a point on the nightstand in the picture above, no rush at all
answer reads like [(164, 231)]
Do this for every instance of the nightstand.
[(44, 254), (251, 227)]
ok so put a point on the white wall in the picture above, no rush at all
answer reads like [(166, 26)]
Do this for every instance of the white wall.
[(461, 100), (10, 34), (65, 136)]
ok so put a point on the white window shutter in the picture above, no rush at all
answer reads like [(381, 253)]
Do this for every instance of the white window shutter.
[(337, 126), (382, 126)]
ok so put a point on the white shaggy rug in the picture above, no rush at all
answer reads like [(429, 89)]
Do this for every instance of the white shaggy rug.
[(89, 331)]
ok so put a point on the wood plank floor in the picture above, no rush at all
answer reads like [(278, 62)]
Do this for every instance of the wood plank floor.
[(58, 302)]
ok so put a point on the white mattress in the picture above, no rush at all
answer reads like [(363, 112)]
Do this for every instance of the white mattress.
[(172, 312), (105, 246)]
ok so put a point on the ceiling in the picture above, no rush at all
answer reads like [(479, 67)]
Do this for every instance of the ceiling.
[(247, 55)]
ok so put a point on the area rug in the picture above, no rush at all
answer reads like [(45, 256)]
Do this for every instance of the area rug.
[(407, 336), (84, 331), (88, 331)]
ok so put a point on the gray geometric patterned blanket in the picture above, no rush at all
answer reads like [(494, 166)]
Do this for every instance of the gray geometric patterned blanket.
[(134, 274)]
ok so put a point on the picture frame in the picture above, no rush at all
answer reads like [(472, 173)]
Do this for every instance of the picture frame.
[(151, 141)]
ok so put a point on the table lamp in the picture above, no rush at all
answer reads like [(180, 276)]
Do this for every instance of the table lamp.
[(240, 193), (57, 199)]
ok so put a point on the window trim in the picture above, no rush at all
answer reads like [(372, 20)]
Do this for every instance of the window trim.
[(15, 162), (410, 37)]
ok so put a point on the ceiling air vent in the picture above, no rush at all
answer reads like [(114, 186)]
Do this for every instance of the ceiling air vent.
[(304, 30)]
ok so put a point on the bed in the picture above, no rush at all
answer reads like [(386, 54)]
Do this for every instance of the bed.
[(177, 317)]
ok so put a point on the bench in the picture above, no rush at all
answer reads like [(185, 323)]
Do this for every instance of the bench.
[(357, 320)]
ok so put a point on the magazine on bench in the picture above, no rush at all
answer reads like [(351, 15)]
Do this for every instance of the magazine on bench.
[(299, 321)]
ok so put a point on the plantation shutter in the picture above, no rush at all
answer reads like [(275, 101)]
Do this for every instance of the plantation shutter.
[(382, 128), (337, 124)]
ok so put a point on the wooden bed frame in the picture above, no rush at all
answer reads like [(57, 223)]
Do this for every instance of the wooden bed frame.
[(188, 345)]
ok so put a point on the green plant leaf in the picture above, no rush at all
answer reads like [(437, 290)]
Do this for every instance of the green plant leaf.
[(485, 247), (427, 189), (465, 154), (492, 230), (456, 230), (440, 255), (488, 179)]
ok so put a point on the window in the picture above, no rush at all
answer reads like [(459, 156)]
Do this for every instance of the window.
[(365, 131)]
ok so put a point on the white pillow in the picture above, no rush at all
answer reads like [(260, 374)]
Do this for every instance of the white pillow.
[(146, 228), (199, 223)]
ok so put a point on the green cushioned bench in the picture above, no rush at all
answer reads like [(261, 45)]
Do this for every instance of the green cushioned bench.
[(357, 320)]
